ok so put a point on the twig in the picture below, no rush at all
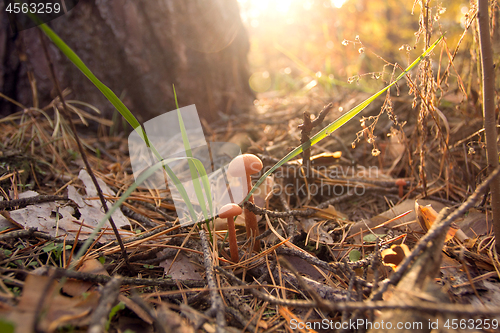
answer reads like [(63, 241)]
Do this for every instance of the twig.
[(19, 203), (309, 211), (428, 307), (436, 229), (306, 128), (217, 306), (138, 217), (109, 295), (103, 279), (82, 151)]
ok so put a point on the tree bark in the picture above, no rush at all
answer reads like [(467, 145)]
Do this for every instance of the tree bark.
[(489, 119), (139, 48)]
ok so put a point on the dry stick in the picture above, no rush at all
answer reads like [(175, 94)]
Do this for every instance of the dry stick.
[(58, 272), (82, 151), (309, 211), (489, 121), (428, 307), (30, 201), (437, 228), (32, 232), (108, 298), (302, 283), (217, 304), (306, 129)]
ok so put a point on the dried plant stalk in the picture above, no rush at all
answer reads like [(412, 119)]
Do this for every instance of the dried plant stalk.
[(489, 121)]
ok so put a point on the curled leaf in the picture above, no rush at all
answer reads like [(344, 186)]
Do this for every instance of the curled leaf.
[(426, 216), (394, 256)]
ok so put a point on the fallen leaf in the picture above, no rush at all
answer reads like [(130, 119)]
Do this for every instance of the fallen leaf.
[(76, 287), (372, 238), (182, 268), (426, 216), (403, 207), (60, 220), (58, 310), (394, 255)]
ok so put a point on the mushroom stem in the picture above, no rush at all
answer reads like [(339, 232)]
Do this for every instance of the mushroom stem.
[(401, 183), (229, 211), (251, 224), (233, 244)]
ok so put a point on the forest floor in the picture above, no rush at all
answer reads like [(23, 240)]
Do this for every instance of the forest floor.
[(332, 245)]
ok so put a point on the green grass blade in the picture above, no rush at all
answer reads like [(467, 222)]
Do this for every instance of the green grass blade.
[(117, 103), (193, 169), (339, 122), (108, 93)]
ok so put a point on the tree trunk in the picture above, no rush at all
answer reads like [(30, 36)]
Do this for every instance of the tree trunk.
[(139, 48)]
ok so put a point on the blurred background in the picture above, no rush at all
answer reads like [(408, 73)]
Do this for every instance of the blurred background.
[(299, 45)]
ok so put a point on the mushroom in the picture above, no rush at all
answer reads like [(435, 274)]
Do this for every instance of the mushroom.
[(401, 183), (229, 211), (244, 166)]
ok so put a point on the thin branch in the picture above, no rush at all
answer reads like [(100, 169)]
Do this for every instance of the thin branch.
[(217, 307), (437, 228), (428, 307)]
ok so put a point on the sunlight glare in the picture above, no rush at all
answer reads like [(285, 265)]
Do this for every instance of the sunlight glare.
[(338, 3), (269, 6)]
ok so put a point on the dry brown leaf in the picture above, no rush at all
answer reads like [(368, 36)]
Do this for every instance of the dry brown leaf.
[(426, 216), (76, 287), (58, 310), (394, 255), (391, 213), (59, 220), (182, 268)]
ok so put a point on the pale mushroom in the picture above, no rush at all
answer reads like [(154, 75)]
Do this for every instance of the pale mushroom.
[(244, 166)]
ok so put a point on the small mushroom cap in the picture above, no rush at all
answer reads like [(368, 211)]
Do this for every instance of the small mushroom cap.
[(244, 165), (401, 182), (230, 210)]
